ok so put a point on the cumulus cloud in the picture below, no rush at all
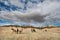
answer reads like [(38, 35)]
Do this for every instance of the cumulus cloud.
[(18, 16), (42, 13)]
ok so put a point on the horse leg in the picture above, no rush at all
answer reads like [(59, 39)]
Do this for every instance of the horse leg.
[(17, 31)]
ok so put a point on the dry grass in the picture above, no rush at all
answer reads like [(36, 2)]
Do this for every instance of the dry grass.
[(51, 34)]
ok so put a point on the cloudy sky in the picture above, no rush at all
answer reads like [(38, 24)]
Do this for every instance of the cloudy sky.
[(30, 12)]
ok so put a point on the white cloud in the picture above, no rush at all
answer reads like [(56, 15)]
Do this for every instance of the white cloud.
[(46, 12), (17, 3)]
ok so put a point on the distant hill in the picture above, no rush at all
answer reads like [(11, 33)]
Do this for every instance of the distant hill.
[(24, 26)]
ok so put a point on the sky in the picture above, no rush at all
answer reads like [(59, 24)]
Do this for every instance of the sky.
[(30, 12)]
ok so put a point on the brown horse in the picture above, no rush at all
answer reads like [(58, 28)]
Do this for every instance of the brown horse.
[(20, 30), (45, 30), (33, 30), (17, 30), (14, 30)]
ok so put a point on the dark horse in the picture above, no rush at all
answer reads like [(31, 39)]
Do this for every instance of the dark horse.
[(33, 30), (17, 31)]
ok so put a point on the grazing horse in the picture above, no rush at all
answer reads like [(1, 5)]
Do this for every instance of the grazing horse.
[(45, 30), (20, 30), (17, 30), (14, 30), (33, 30)]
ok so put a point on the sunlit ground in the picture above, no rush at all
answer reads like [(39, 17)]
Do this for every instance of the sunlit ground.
[(51, 34)]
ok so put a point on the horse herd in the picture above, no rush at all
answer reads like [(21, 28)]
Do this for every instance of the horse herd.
[(21, 30)]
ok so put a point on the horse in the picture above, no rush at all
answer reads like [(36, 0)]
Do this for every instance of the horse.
[(14, 30), (20, 30), (33, 30)]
